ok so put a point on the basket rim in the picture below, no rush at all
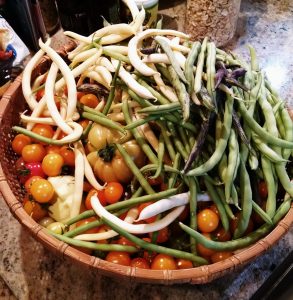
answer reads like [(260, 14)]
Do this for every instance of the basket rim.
[(198, 275)]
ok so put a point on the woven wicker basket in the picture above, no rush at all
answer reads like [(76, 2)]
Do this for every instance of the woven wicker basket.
[(11, 105)]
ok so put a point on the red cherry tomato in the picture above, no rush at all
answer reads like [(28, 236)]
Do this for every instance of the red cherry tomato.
[(28, 170), (219, 256), (113, 192), (263, 190), (221, 235), (163, 262), (119, 257), (40, 94), (125, 242), (184, 263), (68, 156), (139, 262), (144, 205), (101, 197), (163, 235)]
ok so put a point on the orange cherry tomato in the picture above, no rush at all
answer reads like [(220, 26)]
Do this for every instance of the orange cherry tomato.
[(219, 256), (163, 262), (184, 263), (84, 123), (144, 205), (42, 190), (139, 262), (125, 242), (30, 181), (119, 257), (89, 100), (34, 209), (113, 192), (19, 142), (43, 130), (33, 153), (202, 250), (207, 220), (87, 221), (68, 156), (101, 197), (53, 149), (52, 164)]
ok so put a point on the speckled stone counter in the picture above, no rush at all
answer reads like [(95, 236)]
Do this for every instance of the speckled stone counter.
[(31, 272)]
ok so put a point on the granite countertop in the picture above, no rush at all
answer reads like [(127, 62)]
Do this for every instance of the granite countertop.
[(29, 271)]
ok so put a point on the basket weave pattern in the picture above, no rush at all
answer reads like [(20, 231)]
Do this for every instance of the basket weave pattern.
[(11, 105)]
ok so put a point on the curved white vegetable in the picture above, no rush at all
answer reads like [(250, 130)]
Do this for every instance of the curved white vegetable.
[(105, 62), (29, 96), (119, 49), (132, 6), (97, 77), (39, 80), (38, 110), (135, 228), (165, 204), (157, 58), (75, 135), (68, 76), (138, 21), (105, 74), (130, 217), (84, 55), (49, 95), (137, 39)]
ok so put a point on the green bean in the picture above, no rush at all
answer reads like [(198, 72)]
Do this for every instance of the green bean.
[(167, 140), (167, 49), (192, 210), (232, 167), (261, 213), (216, 199), (288, 125), (87, 130), (160, 98), (104, 121), (112, 91), (253, 160), (187, 125), (253, 61), (211, 71), (222, 144), (88, 109), (155, 248), (263, 134), (178, 144), (266, 150), (94, 246), (181, 92), (161, 151), (39, 137), (221, 194), (184, 138), (173, 176), (142, 199), (135, 170), (142, 102), (140, 140), (199, 66), (246, 202), (140, 122), (189, 64), (241, 242), (160, 109), (164, 71), (154, 167)]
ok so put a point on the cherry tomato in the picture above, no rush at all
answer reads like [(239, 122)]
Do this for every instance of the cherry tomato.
[(52, 164), (144, 205), (263, 190), (155, 181), (113, 192), (30, 181), (84, 123), (221, 235), (207, 220), (119, 257), (214, 208), (89, 100), (28, 170), (139, 262), (219, 256), (42, 191), (148, 255), (163, 235), (87, 221), (125, 242), (19, 142), (68, 156), (52, 149), (163, 262), (101, 197), (43, 130), (234, 224), (34, 209), (202, 250), (184, 263), (40, 94), (33, 153), (87, 186)]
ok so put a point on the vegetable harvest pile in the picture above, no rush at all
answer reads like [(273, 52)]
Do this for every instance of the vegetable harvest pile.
[(149, 150)]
